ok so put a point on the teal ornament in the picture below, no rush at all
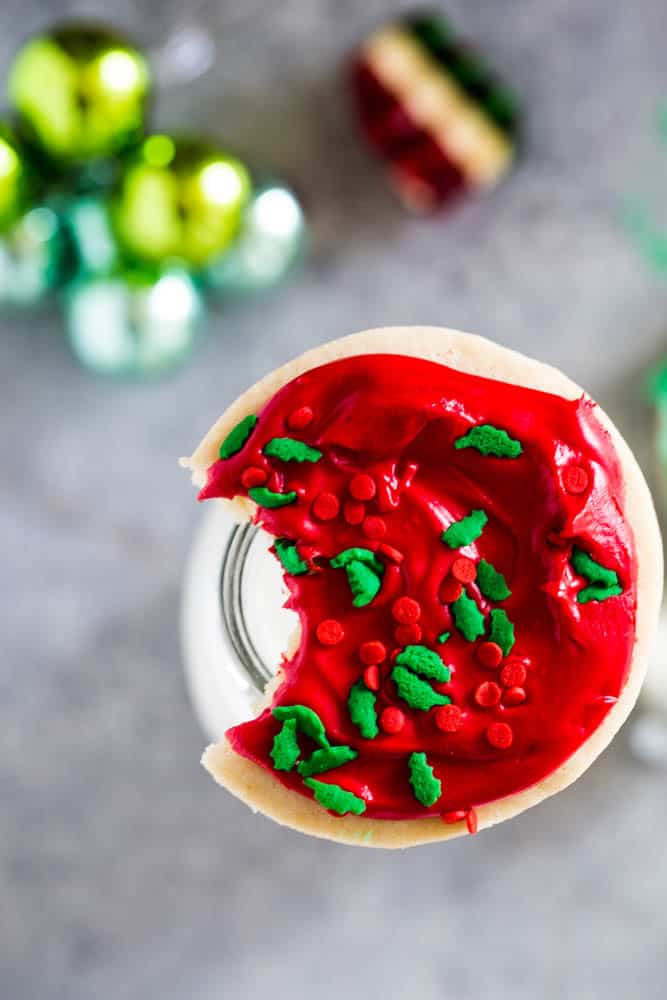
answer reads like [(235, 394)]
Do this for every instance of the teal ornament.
[(270, 243), (179, 200), (95, 248), (79, 92), (133, 323), (34, 256)]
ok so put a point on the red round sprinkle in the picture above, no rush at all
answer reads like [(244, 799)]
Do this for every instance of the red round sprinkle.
[(464, 569), (372, 677), (500, 735), (456, 816), (362, 486), (391, 553), (513, 674), (448, 718), (253, 476), (354, 513), (487, 694), (298, 419), (329, 632), (372, 652), (406, 635), (406, 610), (450, 590), (489, 655), (326, 506), (575, 479), (392, 720), (514, 696), (471, 821), (374, 527)]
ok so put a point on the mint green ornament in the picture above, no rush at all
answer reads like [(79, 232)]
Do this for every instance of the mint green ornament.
[(34, 256), (79, 92), (181, 200), (93, 242), (270, 242), (133, 323)]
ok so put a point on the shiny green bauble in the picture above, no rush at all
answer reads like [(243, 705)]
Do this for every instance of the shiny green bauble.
[(133, 323), (270, 242), (14, 179), (179, 199), (79, 92), (34, 257)]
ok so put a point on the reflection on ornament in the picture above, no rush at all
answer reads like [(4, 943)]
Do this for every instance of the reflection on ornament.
[(179, 199), (80, 92), (133, 323), (91, 236), (33, 257), (271, 241), (13, 179)]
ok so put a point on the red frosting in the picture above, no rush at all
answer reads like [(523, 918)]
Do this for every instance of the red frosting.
[(386, 427)]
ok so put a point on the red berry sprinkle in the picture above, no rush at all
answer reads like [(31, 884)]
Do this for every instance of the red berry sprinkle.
[(362, 487), (392, 720), (448, 718), (450, 590), (253, 476), (575, 479), (372, 677), (298, 419), (405, 635), (372, 652), (464, 569), (354, 513), (391, 553), (500, 735), (513, 674), (471, 821), (326, 506), (374, 527), (514, 696), (456, 816), (329, 632), (406, 610), (487, 694), (489, 655)]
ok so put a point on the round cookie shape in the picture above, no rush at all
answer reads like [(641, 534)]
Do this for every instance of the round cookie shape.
[(467, 445)]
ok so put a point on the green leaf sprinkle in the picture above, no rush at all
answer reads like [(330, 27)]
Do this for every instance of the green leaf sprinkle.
[(361, 706), (238, 436), (335, 798), (468, 619), (426, 787), (597, 593), (307, 721), (289, 557), (443, 637), (465, 531), (264, 497), (290, 450), (325, 760), (501, 630), (285, 750), (365, 556), (490, 440), (491, 583), (424, 661), (416, 692), (364, 578)]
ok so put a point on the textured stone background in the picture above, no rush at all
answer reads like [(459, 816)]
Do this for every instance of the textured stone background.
[(124, 873)]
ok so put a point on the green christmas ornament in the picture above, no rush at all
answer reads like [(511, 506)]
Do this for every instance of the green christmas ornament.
[(86, 219), (14, 179), (79, 92), (271, 241), (180, 199), (34, 255), (133, 323)]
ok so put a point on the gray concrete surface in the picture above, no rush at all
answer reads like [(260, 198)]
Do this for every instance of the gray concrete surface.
[(124, 873)]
